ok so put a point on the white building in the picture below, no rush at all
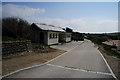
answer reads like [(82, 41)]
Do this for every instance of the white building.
[(48, 34), (68, 37)]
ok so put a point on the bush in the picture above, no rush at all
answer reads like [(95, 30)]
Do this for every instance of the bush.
[(15, 28), (97, 38), (110, 52)]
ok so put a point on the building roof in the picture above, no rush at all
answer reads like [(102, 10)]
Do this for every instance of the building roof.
[(49, 27)]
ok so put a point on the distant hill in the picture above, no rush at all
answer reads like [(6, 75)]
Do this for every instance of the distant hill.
[(114, 34)]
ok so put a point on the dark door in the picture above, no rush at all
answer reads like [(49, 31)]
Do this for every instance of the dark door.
[(42, 37)]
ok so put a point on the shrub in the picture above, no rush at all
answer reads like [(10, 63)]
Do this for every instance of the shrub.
[(15, 28)]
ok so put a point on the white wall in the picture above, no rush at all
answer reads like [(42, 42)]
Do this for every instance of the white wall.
[(68, 39), (52, 40)]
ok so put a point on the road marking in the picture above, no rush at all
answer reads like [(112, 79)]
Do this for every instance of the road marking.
[(0, 78), (64, 53), (78, 69), (39, 64), (22, 70), (107, 65)]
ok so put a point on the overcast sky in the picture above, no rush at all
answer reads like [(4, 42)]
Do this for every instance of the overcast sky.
[(93, 17)]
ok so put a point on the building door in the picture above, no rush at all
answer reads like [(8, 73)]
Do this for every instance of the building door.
[(42, 37)]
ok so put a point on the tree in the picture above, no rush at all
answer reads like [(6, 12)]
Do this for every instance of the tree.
[(69, 30), (76, 36), (15, 28)]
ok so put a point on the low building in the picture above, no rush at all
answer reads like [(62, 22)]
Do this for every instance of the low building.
[(48, 34), (64, 37), (68, 37)]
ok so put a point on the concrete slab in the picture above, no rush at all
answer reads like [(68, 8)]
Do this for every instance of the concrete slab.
[(47, 71), (81, 61)]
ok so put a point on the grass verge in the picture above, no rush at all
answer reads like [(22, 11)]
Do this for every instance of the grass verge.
[(114, 62), (112, 57), (107, 49)]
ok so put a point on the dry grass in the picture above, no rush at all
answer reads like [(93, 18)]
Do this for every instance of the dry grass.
[(117, 42), (15, 62)]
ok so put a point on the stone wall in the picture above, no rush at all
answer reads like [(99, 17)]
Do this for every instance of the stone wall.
[(9, 47)]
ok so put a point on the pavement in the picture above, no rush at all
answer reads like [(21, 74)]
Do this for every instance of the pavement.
[(82, 60), (67, 46)]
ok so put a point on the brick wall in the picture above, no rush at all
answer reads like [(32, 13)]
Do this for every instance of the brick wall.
[(9, 47)]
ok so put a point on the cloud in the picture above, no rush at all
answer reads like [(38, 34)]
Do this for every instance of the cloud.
[(75, 24), (108, 25), (10, 10), (60, 0), (78, 24), (81, 25)]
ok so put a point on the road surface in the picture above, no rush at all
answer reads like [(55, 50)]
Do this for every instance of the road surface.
[(82, 60)]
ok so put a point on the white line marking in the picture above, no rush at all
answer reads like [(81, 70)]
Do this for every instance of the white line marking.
[(78, 69), (107, 65), (40, 64), (63, 54), (0, 78), (22, 70)]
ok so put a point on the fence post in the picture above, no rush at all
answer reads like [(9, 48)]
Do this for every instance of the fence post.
[(29, 46)]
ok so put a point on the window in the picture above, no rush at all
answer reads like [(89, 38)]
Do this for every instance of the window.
[(50, 36), (53, 35), (56, 35)]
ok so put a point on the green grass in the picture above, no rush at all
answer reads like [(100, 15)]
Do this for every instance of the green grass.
[(98, 39), (107, 49), (110, 52), (114, 34)]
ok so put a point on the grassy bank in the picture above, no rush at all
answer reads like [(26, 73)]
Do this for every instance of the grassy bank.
[(112, 57), (98, 39), (107, 49)]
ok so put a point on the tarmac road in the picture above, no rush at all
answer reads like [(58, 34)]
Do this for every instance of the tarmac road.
[(82, 60)]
